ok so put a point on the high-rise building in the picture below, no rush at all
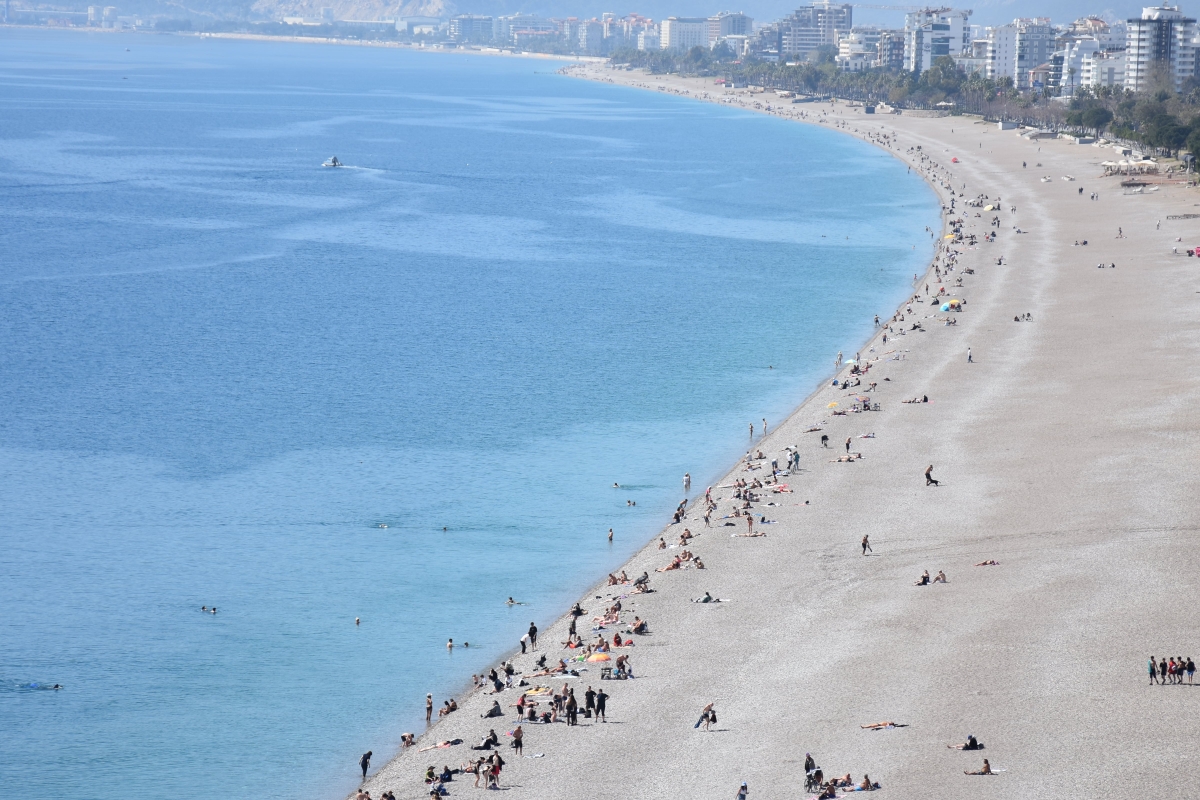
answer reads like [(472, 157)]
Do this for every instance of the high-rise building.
[(684, 33), (591, 37), (891, 50), (932, 33), (1034, 43), (471, 28), (1002, 53), (728, 23), (811, 27), (1161, 40)]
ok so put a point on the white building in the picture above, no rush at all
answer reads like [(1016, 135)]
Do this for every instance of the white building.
[(683, 33), (728, 23), (1102, 68), (1162, 39), (811, 27), (859, 50), (1002, 52), (649, 39), (932, 33)]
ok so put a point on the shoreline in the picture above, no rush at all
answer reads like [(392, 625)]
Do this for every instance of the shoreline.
[(648, 548), (780, 695)]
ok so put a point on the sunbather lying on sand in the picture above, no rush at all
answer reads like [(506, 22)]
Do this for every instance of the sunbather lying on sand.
[(749, 535), (453, 742), (972, 744), (988, 564), (675, 564), (878, 726)]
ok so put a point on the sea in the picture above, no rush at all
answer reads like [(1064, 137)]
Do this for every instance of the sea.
[(400, 391)]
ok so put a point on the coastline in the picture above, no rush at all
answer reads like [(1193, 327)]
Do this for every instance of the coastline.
[(773, 658)]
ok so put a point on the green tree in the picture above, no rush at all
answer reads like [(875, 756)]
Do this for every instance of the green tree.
[(1097, 118)]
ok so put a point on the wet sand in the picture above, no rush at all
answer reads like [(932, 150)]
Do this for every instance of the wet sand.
[(1066, 451)]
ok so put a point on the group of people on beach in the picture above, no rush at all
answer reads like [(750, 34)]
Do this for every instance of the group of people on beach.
[(1171, 670)]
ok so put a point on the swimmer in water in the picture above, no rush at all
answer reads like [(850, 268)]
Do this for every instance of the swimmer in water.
[(450, 645), (616, 485), (204, 608), (357, 621), (212, 610)]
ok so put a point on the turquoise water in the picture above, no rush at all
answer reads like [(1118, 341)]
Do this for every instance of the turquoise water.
[(222, 367)]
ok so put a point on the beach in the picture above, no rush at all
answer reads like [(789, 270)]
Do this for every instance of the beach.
[(1064, 448)]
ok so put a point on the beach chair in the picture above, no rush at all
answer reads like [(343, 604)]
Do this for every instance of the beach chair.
[(606, 673)]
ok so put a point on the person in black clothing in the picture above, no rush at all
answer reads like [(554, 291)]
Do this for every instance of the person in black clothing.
[(601, 700), (589, 699), (572, 709), (365, 763), (533, 635)]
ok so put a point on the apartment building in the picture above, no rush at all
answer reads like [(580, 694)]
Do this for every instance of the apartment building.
[(683, 33), (811, 27), (1161, 39), (932, 33)]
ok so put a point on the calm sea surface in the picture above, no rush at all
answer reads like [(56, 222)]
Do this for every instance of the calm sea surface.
[(223, 367)]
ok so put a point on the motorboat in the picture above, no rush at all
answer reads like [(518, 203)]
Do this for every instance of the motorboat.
[(333, 162)]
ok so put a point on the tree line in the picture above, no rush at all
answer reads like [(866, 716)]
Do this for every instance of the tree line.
[(1158, 118)]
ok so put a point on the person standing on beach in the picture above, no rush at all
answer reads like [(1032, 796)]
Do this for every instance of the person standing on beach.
[(929, 479), (838, 363), (969, 359), (866, 545), (847, 444), (589, 701), (524, 641), (365, 763), (707, 717), (428, 708), (601, 703), (764, 426), (743, 792), (1153, 671), (687, 481), (533, 634)]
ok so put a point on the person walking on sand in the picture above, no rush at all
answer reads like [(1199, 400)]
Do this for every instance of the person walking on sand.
[(428, 708), (601, 704), (866, 545), (743, 792), (929, 479), (365, 763), (707, 716), (969, 359)]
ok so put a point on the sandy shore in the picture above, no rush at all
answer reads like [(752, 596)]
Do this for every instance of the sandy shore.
[(1066, 452)]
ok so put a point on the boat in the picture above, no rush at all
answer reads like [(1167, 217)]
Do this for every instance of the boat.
[(333, 162)]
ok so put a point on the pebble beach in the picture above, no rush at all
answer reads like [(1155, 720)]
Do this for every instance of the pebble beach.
[(1061, 427)]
